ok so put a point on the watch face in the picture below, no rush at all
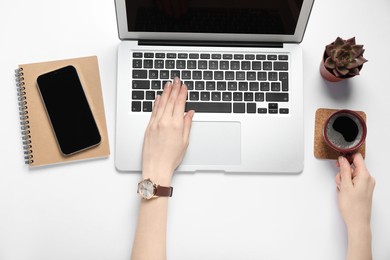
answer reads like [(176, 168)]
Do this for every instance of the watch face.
[(146, 189)]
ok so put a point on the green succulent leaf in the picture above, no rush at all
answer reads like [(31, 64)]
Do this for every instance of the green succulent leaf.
[(351, 41), (329, 63), (338, 43), (343, 71)]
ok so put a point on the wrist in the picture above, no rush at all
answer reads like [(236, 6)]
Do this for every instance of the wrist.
[(159, 177), (359, 230)]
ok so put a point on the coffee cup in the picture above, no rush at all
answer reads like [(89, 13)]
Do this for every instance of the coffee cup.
[(345, 131)]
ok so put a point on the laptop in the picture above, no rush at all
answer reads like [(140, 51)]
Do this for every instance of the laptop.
[(242, 63)]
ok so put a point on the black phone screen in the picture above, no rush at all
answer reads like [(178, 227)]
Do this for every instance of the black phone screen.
[(68, 110)]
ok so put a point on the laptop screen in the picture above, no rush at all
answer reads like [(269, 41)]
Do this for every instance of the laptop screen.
[(278, 17)]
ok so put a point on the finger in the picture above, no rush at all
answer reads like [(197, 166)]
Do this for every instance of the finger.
[(187, 125), (345, 172), (338, 181), (155, 109), (172, 98), (180, 105), (359, 163), (164, 99)]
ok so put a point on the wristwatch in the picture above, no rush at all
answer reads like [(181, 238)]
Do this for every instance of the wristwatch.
[(147, 189)]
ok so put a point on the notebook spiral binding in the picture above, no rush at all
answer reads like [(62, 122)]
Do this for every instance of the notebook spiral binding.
[(23, 112)]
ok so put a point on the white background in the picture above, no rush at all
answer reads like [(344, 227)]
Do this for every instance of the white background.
[(88, 210)]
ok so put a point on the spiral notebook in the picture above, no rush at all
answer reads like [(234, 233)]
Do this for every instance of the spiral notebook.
[(39, 142)]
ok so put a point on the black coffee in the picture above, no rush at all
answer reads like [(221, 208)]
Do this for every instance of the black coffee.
[(344, 131), (346, 127)]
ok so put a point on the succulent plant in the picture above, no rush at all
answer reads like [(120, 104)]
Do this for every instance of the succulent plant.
[(344, 58)]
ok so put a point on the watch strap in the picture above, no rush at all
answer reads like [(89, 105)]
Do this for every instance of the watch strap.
[(162, 191)]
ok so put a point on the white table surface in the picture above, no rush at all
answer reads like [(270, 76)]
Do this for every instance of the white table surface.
[(88, 210)]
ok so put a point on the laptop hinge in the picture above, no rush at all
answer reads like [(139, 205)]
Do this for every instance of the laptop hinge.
[(211, 43)]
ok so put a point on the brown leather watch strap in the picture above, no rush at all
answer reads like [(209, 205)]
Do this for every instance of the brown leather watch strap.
[(162, 191)]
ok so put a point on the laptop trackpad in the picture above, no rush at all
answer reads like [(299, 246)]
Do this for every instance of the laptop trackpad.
[(214, 143)]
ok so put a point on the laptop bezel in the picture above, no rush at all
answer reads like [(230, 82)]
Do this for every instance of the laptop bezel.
[(297, 37)]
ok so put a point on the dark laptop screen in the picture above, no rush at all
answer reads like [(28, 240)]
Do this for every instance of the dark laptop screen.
[(214, 16)]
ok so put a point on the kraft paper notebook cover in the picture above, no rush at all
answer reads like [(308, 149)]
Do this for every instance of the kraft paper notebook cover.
[(39, 142)]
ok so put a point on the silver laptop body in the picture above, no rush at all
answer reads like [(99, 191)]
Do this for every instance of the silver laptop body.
[(264, 140)]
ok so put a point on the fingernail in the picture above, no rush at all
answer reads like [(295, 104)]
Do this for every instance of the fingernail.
[(176, 80), (341, 159)]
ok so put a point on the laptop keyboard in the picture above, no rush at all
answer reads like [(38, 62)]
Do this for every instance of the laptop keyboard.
[(217, 82)]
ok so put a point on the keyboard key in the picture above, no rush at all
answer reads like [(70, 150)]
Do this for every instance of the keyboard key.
[(272, 111), (160, 55), (260, 57), (202, 64), (216, 96), (272, 76), (237, 96), (194, 95), (213, 65), (207, 75), (259, 97), (250, 75), (262, 110), (141, 84), (276, 97), (205, 96), (140, 74), (240, 75), (221, 85), (137, 54), (170, 64), (235, 65), (232, 85), (273, 106), (267, 65), (283, 111), (210, 85), (275, 86), (227, 96), (136, 106), (216, 56), (218, 75), (190, 85), (150, 95), (171, 55), (283, 57), (149, 55), (251, 108), (137, 95), (238, 107), (283, 77), (153, 74), (264, 86), (148, 64), (182, 55), (256, 65), (261, 75), (196, 74), (180, 64), (186, 74), (205, 56), (164, 74), (159, 64), (199, 85), (147, 106), (156, 84), (137, 63), (238, 56), (175, 73), (272, 57), (209, 107), (248, 96), (227, 56), (254, 86), (245, 65), (191, 64), (249, 56), (229, 75), (194, 56), (243, 86), (224, 65), (280, 65)]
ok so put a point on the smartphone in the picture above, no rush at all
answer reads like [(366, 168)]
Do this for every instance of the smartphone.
[(68, 110)]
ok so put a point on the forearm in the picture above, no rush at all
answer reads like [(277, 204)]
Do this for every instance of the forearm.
[(150, 238), (359, 243)]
